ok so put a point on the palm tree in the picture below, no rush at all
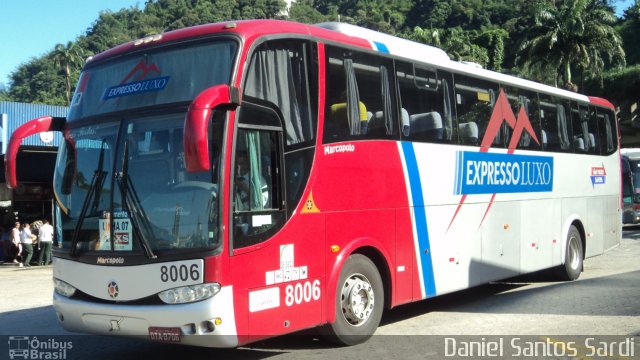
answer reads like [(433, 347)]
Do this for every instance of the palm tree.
[(569, 35), (68, 57)]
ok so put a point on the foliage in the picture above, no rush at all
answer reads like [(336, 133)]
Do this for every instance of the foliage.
[(617, 85), (485, 47), (571, 35), (629, 30), (4, 96), (50, 78), (68, 58), (303, 11), (545, 40)]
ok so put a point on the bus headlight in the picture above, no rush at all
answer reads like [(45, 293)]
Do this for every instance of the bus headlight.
[(63, 288), (187, 294)]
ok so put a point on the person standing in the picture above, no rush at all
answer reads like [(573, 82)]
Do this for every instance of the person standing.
[(45, 238), (17, 242), (27, 244)]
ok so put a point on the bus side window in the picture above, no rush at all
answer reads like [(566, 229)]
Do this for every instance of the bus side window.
[(475, 99), (584, 130), (606, 128), (524, 105), (555, 127), (595, 142), (425, 101), (280, 73), (360, 98)]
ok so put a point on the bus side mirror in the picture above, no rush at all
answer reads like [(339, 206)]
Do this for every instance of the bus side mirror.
[(32, 127), (196, 123)]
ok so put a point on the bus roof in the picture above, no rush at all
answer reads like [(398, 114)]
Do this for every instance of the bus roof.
[(350, 35)]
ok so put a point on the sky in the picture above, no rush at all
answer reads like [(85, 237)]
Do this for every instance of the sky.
[(31, 28)]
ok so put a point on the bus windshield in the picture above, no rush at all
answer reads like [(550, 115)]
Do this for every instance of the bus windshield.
[(122, 185), (153, 77)]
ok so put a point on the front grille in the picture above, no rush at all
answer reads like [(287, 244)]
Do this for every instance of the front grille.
[(149, 300)]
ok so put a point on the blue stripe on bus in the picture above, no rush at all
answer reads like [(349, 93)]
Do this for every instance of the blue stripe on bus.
[(420, 219), (381, 47)]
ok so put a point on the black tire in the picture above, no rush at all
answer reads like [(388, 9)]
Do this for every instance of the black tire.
[(359, 302), (574, 254)]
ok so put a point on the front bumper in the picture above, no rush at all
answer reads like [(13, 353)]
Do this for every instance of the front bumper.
[(195, 320)]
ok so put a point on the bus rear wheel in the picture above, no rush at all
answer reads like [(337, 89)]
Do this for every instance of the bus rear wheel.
[(573, 259), (359, 302)]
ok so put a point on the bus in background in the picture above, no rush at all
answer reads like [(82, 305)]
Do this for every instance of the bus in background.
[(229, 182), (630, 158)]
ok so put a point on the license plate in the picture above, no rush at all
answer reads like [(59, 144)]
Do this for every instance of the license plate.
[(165, 334)]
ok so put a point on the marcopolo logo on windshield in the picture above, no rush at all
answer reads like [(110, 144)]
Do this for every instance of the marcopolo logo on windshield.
[(490, 173)]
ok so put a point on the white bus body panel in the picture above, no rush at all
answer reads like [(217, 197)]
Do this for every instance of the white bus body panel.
[(479, 240)]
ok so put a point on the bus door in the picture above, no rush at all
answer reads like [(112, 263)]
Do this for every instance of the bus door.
[(277, 243), (278, 268)]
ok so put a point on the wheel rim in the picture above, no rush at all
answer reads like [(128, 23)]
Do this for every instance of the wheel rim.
[(574, 253), (357, 299)]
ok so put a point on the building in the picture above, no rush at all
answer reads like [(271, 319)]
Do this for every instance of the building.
[(33, 198)]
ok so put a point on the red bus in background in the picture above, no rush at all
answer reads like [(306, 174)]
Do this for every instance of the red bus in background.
[(229, 182)]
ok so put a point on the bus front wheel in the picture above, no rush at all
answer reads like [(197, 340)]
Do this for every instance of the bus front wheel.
[(573, 258), (359, 302)]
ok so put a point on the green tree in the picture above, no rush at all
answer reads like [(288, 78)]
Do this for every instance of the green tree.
[(4, 94), (630, 32), (37, 81), (380, 15), (571, 35), (304, 12), (259, 9), (69, 58), (458, 43), (493, 39)]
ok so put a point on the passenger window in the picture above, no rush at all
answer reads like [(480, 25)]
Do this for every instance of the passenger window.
[(426, 104), (360, 100), (554, 134), (595, 142), (606, 133), (474, 105), (525, 133), (585, 130), (280, 73)]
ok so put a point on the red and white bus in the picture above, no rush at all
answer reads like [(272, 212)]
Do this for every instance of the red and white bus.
[(241, 180)]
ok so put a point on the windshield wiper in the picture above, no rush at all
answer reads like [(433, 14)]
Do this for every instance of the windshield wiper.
[(141, 224), (94, 191)]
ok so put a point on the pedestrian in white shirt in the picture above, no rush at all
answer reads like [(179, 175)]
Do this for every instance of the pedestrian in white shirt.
[(45, 238), (26, 239), (17, 242)]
